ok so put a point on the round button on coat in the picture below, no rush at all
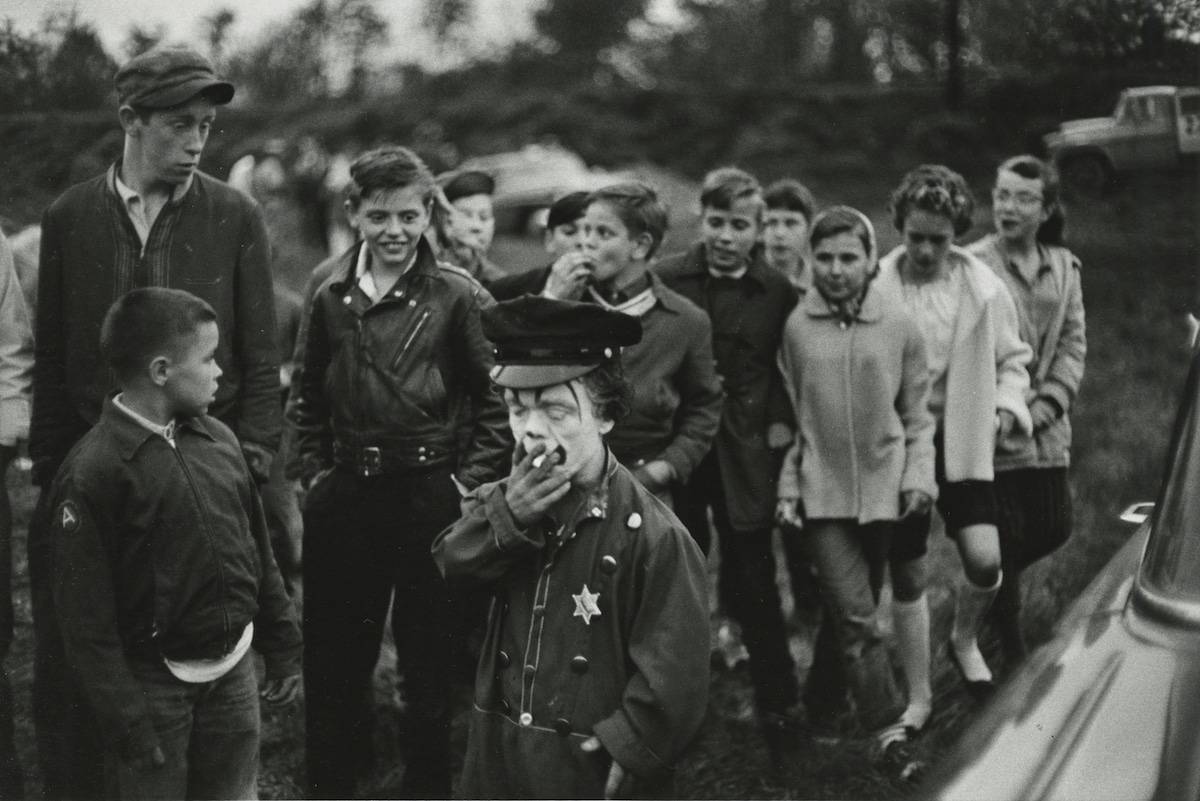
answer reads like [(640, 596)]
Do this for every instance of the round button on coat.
[(579, 665), (562, 726), (634, 521), (526, 719), (530, 670), (608, 564), (503, 660)]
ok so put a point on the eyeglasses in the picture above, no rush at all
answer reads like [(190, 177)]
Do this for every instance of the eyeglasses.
[(1019, 198)]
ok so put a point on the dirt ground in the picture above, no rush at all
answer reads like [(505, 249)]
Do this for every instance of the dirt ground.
[(1139, 250)]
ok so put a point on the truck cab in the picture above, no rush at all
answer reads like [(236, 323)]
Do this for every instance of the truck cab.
[(1152, 127)]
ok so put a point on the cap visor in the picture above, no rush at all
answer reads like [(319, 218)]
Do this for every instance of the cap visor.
[(221, 93), (534, 376)]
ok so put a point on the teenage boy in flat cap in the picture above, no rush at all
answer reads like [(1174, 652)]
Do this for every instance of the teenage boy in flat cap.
[(151, 220), (594, 672)]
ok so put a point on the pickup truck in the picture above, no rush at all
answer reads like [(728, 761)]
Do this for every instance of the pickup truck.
[(1152, 127)]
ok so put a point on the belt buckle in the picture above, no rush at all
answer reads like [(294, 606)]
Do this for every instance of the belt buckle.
[(371, 460)]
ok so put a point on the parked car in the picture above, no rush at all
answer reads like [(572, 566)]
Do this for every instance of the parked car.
[(530, 179), (1109, 708), (1151, 127)]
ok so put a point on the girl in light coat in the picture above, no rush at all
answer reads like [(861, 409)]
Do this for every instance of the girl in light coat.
[(1043, 277), (853, 362), (977, 395)]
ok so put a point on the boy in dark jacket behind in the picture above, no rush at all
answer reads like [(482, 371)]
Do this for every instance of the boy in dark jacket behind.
[(164, 576)]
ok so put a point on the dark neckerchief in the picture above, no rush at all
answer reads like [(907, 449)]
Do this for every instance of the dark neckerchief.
[(846, 311)]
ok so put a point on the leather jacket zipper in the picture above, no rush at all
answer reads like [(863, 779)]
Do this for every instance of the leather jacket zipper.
[(411, 338)]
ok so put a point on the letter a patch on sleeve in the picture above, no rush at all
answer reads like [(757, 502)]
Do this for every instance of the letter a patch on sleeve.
[(68, 517)]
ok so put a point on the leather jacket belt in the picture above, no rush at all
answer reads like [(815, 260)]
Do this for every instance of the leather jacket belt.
[(376, 460)]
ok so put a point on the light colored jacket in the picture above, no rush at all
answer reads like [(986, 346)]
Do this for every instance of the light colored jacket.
[(860, 393), (986, 373), (1051, 318), (16, 353)]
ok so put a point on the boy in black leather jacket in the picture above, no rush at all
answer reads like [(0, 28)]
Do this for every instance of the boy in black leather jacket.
[(395, 370)]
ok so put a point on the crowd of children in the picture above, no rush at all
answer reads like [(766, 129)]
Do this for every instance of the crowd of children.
[(523, 468)]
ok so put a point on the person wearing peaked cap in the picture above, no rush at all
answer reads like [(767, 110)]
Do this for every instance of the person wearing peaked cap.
[(465, 223), (593, 676), (152, 219)]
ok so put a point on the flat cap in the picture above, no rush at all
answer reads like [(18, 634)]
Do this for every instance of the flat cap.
[(167, 76), (466, 183), (540, 342)]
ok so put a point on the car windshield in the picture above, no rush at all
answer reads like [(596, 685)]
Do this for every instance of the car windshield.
[(1172, 564)]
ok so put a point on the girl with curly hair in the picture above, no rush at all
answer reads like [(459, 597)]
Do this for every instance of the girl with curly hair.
[(977, 395)]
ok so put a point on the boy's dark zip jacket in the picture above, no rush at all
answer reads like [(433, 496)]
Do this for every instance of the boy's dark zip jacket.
[(161, 551)]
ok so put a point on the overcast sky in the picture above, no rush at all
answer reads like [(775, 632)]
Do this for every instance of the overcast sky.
[(496, 21)]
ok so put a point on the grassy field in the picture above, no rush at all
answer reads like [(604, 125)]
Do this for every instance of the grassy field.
[(1140, 256)]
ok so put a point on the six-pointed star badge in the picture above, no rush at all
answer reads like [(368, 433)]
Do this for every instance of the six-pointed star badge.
[(585, 605)]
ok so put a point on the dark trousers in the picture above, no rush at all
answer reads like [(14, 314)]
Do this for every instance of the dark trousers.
[(1034, 517), (746, 584), (70, 750), (11, 784), (363, 539)]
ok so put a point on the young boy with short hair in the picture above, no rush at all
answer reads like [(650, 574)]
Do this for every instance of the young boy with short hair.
[(677, 406), (790, 209), (164, 576), (567, 275), (747, 303)]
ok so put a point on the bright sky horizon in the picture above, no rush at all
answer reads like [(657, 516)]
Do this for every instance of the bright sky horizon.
[(496, 23)]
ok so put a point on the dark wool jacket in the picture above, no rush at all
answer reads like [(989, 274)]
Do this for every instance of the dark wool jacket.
[(676, 394), (745, 346), (402, 375), (212, 243), (161, 552), (598, 627)]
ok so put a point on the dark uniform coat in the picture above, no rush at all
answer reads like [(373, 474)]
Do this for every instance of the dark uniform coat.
[(745, 344), (598, 627)]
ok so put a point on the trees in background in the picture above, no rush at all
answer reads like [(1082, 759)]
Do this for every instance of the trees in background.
[(332, 48), (62, 66)]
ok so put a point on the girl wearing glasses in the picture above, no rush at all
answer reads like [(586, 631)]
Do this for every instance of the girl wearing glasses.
[(1033, 498), (977, 396)]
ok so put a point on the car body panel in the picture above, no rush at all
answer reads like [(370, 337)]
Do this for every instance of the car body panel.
[(1109, 708)]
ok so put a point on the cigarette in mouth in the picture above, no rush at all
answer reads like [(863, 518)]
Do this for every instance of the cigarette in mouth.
[(537, 460)]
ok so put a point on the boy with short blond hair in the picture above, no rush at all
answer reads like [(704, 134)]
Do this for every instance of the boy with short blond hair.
[(164, 576)]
